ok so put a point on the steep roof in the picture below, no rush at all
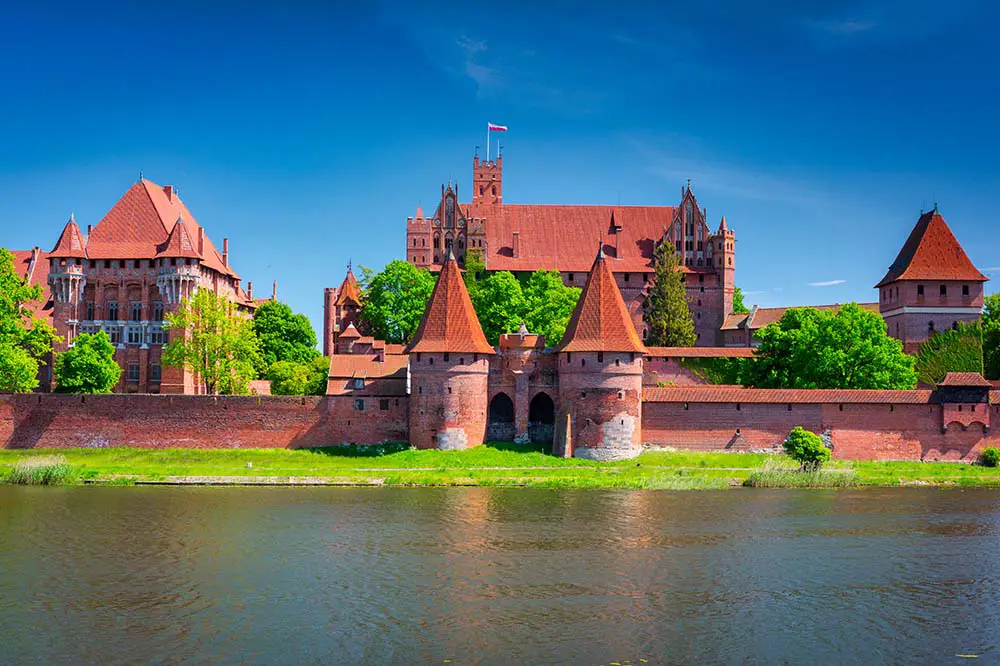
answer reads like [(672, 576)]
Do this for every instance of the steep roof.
[(758, 318), (449, 323), (965, 380), (601, 322), (33, 266), (932, 253), (179, 243), (349, 291), (350, 332), (141, 221), (70, 244)]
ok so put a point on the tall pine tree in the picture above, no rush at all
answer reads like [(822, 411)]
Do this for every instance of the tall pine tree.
[(666, 309)]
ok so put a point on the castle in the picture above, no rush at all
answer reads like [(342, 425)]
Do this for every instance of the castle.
[(124, 276)]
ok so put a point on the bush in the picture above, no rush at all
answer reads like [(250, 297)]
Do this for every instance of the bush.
[(43, 471), (806, 448), (990, 457)]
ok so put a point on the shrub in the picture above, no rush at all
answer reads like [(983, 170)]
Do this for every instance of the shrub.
[(43, 471), (990, 457), (806, 448)]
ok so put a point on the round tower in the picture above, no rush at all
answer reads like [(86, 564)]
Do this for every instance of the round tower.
[(600, 375), (67, 280), (449, 369)]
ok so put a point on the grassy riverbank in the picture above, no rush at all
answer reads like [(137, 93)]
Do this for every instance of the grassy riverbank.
[(491, 465)]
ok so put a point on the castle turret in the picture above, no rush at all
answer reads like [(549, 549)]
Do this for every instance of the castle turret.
[(67, 280), (600, 374), (487, 182), (723, 247), (341, 308), (449, 368), (178, 264)]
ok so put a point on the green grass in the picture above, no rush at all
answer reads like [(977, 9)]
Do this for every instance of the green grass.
[(42, 471), (496, 464)]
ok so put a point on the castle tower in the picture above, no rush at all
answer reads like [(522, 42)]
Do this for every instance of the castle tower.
[(177, 265), (600, 374), (341, 308), (419, 251), (67, 281), (449, 368), (931, 286), (723, 246), (487, 182)]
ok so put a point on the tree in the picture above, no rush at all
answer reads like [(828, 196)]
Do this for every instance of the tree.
[(290, 378), (88, 366), (24, 339), (738, 306), (499, 304), (283, 335), (217, 342), (394, 300), (991, 336), (666, 309), (475, 268), (548, 305), (956, 350), (806, 448), (843, 349)]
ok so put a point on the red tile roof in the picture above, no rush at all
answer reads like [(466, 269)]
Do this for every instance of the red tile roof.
[(562, 237), (179, 243), (141, 222), (37, 274), (758, 318), (784, 396), (965, 379), (932, 253), (601, 322), (349, 291), (70, 243), (350, 332), (449, 323), (346, 366), (700, 352)]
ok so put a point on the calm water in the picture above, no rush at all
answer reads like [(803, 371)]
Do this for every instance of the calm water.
[(485, 576)]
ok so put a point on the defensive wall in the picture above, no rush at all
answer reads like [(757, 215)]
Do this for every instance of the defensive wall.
[(881, 425)]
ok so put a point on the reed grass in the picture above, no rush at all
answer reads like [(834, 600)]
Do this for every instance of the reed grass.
[(43, 471), (774, 474)]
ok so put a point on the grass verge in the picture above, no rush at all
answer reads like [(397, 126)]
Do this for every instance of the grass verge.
[(776, 474)]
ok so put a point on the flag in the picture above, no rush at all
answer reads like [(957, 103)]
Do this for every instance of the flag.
[(496, 128)]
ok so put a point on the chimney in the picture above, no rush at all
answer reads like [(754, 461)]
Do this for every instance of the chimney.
[(201, 241), (250, 290), (169, 191), (90, 228), (517, 244), (225, 252), (274, 291)]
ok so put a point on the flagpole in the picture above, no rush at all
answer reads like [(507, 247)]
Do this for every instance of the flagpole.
[(487, 142)]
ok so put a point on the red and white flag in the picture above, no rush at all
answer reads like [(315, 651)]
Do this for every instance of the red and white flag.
[(496, 128)]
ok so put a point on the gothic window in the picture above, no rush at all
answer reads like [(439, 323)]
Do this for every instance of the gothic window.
[(135, 311), (90, 310), (689, 210), (700, 246), (157, 310), (133, 372), (449, 212), (154, 372), (678, 244), (447, 243), (134, 335), (115, 334), (461, 243), (113, 310), (157, 336)]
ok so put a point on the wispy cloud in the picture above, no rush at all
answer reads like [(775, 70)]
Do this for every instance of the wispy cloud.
[(844, 28), (827, 283), (991, 269), (755, 293)]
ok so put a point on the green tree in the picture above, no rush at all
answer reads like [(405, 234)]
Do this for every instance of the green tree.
[(806, 448), (991, 336), (475, 268), (666, 309), (394, 300), (88, 366), (955, 350), (844, 349), (217, 343), (499, 304), (548, 305), (739, 307), (290, 378), (25, 340), (283, 334)]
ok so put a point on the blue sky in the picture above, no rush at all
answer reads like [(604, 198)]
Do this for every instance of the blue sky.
[(307, 133)]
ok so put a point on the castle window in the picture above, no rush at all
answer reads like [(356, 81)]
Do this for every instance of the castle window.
[(645, 278), (431, 360), (449, 390), (359, 405), (930, 327), (173, 262), (358, 383), (626, 277), (568, 358), (157, 310), (583, 362), (730, 261), (461, 361), (494, 189), (618, 362), (570, 277), (701, 278), (700, 248), (789, 407), (699, 302), (944, 290), (420, 390), (965, 290), (738, 408), (133, 372), (383, 404), (920, 290), (154, 372), (135, 311), (678, 244), (134, 335), (954, 325), (90, 310), (600, 357), (113, 310), (481, 190), (157, 336), (621, 395), (414, 242), (447, 356), (583, 394), (115, 334)]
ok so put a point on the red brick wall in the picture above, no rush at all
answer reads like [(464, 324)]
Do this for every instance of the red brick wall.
[(448, 400), (202, 422), (669, 371)]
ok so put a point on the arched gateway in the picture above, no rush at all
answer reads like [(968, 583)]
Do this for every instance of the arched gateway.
[(541, 418), (500, 425)]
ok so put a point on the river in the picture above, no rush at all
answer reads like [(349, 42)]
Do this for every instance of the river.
[(497, 576)]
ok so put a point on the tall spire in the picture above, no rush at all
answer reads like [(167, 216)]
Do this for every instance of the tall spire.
[(601, 321), (70, 244), (449, 323)]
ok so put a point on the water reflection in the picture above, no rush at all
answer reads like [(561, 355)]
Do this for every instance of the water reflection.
[(480, 575)]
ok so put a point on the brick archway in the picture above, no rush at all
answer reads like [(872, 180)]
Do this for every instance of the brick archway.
[(541, 418), (500, 419)]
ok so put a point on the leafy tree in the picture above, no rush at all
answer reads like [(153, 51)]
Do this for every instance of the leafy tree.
[(218, 343), (499, 304), (394, 300), (666, 309), (24, 339), (846, 349), (88, 366), (283, 334), (806, 448), (955, 350), (990, 457), (548, 305), (991, 336), (290, 378), (475, 268), (738, 306)]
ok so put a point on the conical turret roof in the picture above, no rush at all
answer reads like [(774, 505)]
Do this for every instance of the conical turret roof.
[(179, 243), (350, 290), (601, 321), (70, 244), (932, 253), (450, 323)]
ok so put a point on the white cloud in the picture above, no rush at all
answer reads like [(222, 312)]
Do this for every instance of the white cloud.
[(827, 283), (843, 28), (992, 269)]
